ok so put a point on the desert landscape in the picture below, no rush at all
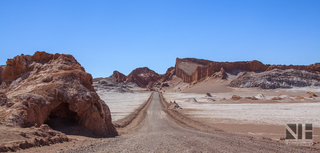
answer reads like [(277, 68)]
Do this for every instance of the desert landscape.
[(50, 104)]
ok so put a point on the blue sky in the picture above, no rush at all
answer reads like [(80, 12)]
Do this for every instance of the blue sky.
[(122, 35)]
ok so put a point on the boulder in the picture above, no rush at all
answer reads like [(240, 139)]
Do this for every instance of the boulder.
[(52, 89), (254, 98), (260, 96), (310, 95), (208, 95), (236, 97), (173, 105)]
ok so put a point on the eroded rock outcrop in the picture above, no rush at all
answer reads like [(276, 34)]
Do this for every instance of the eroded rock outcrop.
[(236, 97), (190, 69), (314, 68), (173, 105), (119, 77), (52, 89), (310, 95), (1, 69), (109, 85), (143, 77), (277, 79), (168, 75), (221, 74)]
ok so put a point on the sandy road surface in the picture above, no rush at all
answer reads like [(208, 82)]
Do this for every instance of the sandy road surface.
[(159, 133)]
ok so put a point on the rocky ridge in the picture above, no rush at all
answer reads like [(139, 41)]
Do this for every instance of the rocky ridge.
[(208, 68), (192, 70), (53, 89), (119, 77), (110, 85), (277, 78)]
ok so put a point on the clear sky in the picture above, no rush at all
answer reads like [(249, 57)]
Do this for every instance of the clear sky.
[(123, 35)]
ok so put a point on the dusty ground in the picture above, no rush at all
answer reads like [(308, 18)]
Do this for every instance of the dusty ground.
[(259, 118), (158, 132), (122, 104)]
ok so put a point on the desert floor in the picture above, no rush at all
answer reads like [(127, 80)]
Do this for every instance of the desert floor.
[(256, 123), (260, 118), (159, 132)]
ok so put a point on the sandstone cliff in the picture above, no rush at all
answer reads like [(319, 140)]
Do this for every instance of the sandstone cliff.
[(1, 69), (191, 69), (51, 89)]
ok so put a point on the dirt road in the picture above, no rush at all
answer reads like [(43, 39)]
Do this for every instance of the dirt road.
[(159, 133)]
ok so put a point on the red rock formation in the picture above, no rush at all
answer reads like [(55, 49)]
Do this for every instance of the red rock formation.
[(221, 74), (1, 69), (143, 76), (168, 75), (52, 89), (211, 67), (203, 68), (314, 68), (119, 77)]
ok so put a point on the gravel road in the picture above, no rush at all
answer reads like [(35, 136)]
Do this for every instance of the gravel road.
[(158, 132)]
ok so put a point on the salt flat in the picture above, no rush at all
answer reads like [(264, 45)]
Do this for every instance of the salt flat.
[(248, 113), (122, 104)]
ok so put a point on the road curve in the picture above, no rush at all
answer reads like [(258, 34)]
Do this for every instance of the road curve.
[(159, 133)]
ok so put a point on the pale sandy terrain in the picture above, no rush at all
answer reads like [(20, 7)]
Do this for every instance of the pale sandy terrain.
[(122, 104), (261, 118), (160, 132)]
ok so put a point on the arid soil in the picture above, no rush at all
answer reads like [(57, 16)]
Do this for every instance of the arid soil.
[(260, 118), (159, 132)]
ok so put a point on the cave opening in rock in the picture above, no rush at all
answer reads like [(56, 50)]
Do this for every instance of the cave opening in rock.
[(61, 117)]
